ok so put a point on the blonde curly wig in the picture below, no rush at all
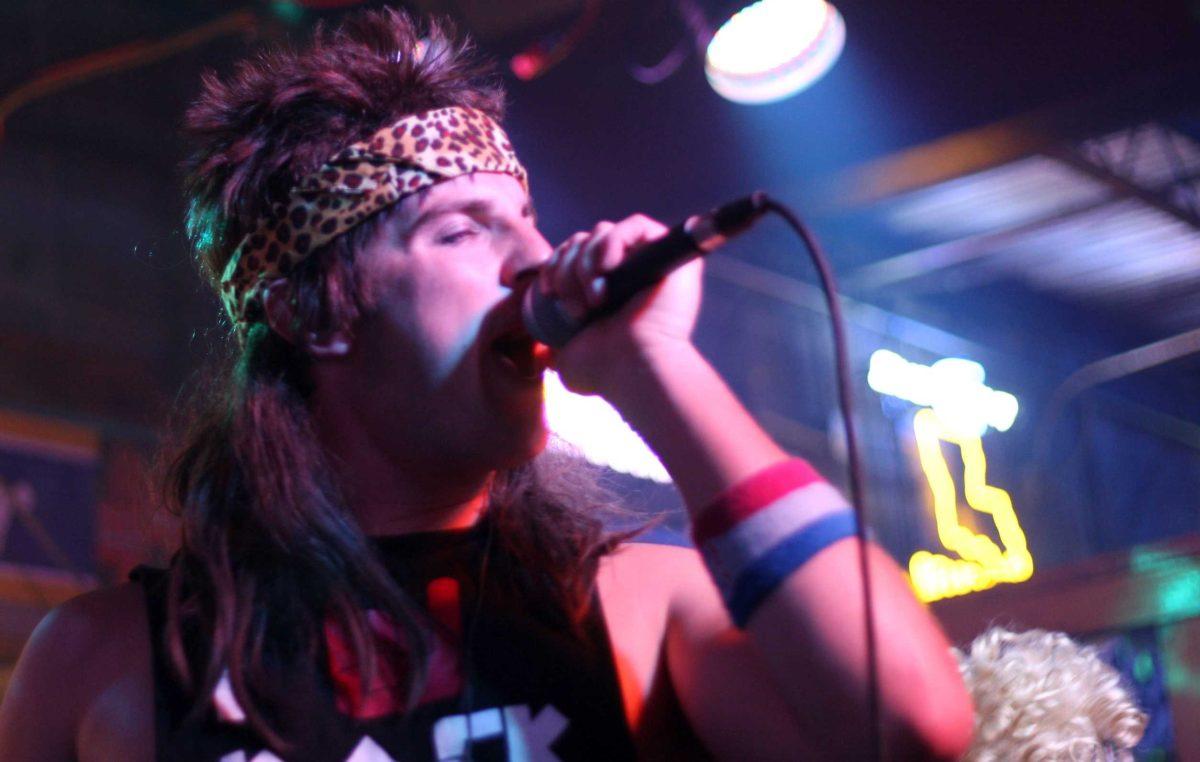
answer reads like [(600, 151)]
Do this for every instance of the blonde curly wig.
[(1040, 696)]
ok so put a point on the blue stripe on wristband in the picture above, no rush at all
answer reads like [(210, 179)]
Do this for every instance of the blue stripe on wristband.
[(759, 579)]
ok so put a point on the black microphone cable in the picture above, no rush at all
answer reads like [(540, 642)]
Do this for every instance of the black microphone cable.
[(699, 235), (853, 455)]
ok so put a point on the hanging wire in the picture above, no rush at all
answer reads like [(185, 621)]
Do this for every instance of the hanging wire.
[(853, 457), (661, 71), (130, 55), (700, 33), (542, 56)]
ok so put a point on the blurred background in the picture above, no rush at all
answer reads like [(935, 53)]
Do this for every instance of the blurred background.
[(1015, 184)]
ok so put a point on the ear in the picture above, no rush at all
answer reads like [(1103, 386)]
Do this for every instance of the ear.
[(281, 318)]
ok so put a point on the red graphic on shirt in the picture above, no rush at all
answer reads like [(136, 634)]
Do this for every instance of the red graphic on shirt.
[(386, 693)]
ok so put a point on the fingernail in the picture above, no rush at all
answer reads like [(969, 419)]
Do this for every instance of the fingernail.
[(596, 290)]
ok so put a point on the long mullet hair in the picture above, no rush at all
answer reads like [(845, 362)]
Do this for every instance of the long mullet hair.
[(268, 550)]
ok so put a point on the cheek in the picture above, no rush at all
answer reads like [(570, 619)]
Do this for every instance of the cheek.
[(443, 317)]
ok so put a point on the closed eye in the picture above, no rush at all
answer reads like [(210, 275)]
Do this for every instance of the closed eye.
[(456, 235), (452, 238)]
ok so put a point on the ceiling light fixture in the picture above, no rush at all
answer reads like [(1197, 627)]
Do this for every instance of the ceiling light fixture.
[(773, 49)]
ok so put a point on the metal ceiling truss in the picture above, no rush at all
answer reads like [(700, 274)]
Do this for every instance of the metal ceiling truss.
[(1143, 181)]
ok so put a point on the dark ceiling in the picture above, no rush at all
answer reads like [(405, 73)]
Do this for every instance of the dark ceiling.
[(103, 318)]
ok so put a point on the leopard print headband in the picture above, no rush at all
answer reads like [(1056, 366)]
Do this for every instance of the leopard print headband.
[(414, 153)]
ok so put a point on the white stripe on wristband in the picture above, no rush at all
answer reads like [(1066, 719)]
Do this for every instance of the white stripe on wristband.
[(757, 533), (727, 554)]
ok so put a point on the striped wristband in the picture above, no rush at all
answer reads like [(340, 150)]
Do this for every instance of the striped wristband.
[(758, 532)]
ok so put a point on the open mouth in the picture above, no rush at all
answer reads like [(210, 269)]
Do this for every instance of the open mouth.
[(524, 355)]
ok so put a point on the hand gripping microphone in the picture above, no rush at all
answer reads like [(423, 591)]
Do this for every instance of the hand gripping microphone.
[(645, 267)]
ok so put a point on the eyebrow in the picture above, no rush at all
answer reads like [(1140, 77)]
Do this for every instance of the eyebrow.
[(474, 207)]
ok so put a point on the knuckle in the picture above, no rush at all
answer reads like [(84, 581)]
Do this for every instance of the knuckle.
[(566, 246), (569, 251), (612, 257), (584, 261), (562, 280), (650, 224)]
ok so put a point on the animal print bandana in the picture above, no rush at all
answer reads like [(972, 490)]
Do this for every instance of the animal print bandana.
[(414, 153)]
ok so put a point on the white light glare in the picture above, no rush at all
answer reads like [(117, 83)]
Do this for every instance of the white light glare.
[(773, 49), (953, 387), (597, 430)]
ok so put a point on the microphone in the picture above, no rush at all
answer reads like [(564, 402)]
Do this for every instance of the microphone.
[(645, 267)]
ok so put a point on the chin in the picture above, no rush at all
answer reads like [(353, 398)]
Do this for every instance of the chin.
[(512, 430), (524, 446)]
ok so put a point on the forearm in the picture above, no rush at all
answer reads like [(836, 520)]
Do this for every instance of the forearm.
[(810, 628), (811, 632), (693, 422)]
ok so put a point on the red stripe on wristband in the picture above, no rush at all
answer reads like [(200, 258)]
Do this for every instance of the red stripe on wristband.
[(750, 496)]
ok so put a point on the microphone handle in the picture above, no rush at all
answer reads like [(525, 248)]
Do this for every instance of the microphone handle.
[(545, 318), (694, 237), (645, 268)]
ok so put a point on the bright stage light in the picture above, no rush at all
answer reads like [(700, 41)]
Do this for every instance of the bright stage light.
[(953, 387), (597, 430), (773, 49)]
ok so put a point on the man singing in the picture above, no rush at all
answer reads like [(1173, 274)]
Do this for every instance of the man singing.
[(378, 561)]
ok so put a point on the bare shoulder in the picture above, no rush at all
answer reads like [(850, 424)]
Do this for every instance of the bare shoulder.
[(638, 585), (664, 598), (650, 590), (667, 563), (675, 576), (89, 626), (87, 657)]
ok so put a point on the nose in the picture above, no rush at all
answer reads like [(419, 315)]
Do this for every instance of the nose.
[(530, 250)]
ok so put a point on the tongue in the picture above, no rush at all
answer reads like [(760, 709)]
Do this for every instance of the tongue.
[(525, 362), (527, 356), (519, 354)]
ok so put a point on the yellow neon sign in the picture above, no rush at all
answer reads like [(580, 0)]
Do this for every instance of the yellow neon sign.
[(980, 563)]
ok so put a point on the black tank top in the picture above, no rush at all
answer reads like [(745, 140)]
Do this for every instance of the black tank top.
[(528, 688)]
